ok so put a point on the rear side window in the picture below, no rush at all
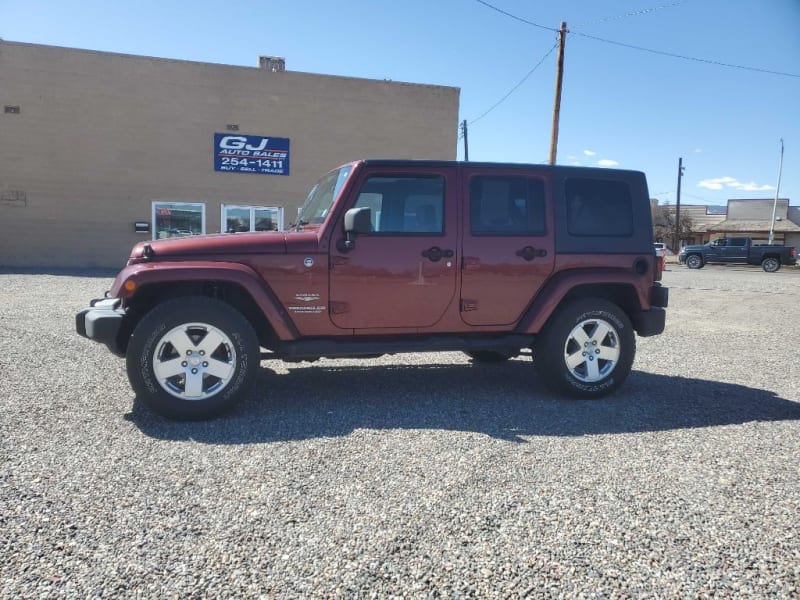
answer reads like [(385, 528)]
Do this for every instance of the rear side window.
[(502, 205), (598, 207), (404, 204)]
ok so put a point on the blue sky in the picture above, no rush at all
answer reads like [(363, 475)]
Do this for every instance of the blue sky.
[(620, 107)]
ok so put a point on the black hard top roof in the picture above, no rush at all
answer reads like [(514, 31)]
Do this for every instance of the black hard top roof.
[(405, 162)]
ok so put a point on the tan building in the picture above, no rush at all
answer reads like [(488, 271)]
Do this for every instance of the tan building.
[(94, 145), (743, 218), (702, 218), (753, 218)]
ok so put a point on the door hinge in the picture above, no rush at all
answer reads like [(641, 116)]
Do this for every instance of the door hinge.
[(470, 262), (339, 308), (338, 260), (468, 305)]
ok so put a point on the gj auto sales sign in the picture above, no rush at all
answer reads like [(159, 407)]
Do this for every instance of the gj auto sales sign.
[(251, 154)]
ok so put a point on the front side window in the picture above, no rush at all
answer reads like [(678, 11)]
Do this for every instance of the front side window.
[(501, 205), (404, 204), (599, 207), (178, 219)]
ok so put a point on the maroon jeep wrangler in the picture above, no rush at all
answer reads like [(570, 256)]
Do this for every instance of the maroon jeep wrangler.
[(392, 256)]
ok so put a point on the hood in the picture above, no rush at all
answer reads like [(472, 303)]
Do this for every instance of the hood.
[(693, 247), (210, 246)]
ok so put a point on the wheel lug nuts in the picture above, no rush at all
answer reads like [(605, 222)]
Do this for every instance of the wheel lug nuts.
[(597, 351), (184, 364), (591, 358), (583, 353), (194, 371), (202, 352), (205, 364), (188, 353)]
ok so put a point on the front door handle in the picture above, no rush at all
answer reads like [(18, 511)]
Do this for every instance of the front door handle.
[(435, 254), (529, 253)]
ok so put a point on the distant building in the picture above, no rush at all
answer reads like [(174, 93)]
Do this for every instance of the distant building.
[(753, 217), (743, 217), (99, 150), (703, 217)]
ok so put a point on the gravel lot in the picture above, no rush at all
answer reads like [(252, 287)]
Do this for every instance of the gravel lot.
[(411, 476)]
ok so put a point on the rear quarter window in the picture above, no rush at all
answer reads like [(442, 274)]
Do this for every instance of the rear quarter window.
[(597, 207)]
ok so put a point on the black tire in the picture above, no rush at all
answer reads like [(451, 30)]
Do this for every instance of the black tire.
[(695, 261), (218, 370), (488, 356), (602, 366), (770, 264)]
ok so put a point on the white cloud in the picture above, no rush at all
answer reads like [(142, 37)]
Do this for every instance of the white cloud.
[(698, 150), (719, 183), (589, 153), (716, 184), (605, 162), (753, 187)]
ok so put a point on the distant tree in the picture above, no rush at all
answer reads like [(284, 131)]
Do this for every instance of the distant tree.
[(664, 225)]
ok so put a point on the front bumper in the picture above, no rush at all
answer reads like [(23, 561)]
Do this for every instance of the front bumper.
[(101, 322)]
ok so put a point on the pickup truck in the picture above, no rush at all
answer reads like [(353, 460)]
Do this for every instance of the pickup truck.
[(740, 250), (390, 256)]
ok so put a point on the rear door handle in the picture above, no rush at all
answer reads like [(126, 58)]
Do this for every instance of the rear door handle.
[(435, 254)]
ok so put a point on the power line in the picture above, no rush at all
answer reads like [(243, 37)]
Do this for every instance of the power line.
[(642, 49), (693, 58), (515, 17), (634, 13), (514, 89)]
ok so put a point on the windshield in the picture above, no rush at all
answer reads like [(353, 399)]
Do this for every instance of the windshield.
[(320, 199)]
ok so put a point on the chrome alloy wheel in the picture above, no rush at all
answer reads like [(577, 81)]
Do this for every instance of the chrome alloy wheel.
[(592, 350), (194, 361), (694, 262)]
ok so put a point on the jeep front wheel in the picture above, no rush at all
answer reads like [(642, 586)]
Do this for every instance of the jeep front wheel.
[(192, 358), (586, 350)]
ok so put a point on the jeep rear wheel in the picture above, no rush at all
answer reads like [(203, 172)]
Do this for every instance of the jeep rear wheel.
[(192, 358), (694, 261), (586, 350)]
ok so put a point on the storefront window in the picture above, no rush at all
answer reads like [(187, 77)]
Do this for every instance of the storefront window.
[(178, 219), (237, 218), (251, 218)]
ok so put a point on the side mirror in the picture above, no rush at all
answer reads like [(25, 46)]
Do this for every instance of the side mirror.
[(356, 221)]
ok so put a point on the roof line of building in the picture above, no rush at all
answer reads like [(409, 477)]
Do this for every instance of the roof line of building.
[(223, 65)]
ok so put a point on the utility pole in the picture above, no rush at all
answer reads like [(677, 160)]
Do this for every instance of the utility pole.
[(466, 143), (777, 193), (678, 207), (562, 36)]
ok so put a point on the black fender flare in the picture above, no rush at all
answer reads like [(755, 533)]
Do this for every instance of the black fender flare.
[(134, 277)]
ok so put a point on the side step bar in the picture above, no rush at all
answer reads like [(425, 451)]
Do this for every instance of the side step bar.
[(317, 348)]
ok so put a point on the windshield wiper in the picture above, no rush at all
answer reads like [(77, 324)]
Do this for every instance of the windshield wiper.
[(299, 224)]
